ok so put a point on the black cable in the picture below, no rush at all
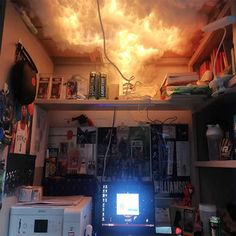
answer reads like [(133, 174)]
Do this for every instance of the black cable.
[(172, 119), (152, 121), (104, 47), (109, 144)]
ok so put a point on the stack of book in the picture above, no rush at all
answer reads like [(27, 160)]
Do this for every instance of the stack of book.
[(181, 83), (225, 62)]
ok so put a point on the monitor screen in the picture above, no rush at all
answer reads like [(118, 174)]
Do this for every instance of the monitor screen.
[(127, 204), (127, 207)]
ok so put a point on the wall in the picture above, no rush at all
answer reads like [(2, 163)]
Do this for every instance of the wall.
[(149, 75), (14, 30)]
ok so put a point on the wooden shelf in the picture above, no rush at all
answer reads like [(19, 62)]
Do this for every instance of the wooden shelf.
[(208, 42), (216, 164), (177, 103), (227, 97)]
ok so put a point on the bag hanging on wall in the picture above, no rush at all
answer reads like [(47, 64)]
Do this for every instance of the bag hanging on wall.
[(23, 78)]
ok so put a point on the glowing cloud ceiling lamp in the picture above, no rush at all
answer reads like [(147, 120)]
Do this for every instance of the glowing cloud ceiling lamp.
[(218, 82)]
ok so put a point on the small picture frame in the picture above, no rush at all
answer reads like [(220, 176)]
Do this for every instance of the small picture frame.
[(56, 87), (71, 89), (43, 87)]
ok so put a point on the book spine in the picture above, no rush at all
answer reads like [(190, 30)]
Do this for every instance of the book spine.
[(233, 60)]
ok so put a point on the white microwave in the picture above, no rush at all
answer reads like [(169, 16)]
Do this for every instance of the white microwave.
[(57, 216)]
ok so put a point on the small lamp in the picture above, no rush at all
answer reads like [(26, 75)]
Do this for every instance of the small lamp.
[(219, 24)]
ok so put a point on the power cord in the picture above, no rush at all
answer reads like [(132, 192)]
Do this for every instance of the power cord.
[(104, 48), (170, 119)]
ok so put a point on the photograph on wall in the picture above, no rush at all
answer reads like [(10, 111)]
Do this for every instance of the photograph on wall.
[(74, 161), (86, 143), (51, 162), (63, 139), (22, 128), (170, 159)]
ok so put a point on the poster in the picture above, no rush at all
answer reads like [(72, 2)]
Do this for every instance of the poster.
[(22, 128), (170, 159), (128, 157)]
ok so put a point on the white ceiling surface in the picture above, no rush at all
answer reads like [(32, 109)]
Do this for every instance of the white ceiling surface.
[(71, 29)]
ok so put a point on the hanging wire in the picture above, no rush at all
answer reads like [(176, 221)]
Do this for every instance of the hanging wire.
[(170, 119), (109, 144), (217, 52), (105, 51)]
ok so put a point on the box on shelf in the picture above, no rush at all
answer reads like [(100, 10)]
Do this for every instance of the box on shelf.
[(56, 88), (43, 87)]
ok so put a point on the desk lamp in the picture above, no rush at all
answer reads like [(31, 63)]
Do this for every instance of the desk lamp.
[(218, 82)]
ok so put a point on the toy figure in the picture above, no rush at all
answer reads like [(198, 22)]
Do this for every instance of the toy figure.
[(188, 192)]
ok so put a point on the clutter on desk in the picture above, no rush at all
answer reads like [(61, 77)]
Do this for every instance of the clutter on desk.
[(30, 193)]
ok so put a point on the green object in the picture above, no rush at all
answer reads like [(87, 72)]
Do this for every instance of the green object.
[(215, 226)]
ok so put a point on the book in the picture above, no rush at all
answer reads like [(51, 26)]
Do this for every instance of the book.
[(56, 87), (233, 60), (181, 78), (43, 87)]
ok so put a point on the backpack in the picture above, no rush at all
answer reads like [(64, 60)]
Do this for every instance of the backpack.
[(23, 77)]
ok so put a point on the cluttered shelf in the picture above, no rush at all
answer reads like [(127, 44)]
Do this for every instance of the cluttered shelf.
[(216, 164), (209, 41), (174, 103)]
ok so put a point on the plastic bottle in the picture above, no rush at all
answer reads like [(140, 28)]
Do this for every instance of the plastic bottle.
[(214, 135)]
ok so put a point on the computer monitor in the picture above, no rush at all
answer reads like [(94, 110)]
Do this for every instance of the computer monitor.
[(127, 208)]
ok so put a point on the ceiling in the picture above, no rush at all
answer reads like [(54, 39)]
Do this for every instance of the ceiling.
[(210, 8)]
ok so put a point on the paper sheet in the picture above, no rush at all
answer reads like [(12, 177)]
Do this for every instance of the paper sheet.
[(183, 158)]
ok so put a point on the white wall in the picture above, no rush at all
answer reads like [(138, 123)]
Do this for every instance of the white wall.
[(14, 30), (151, 75)]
